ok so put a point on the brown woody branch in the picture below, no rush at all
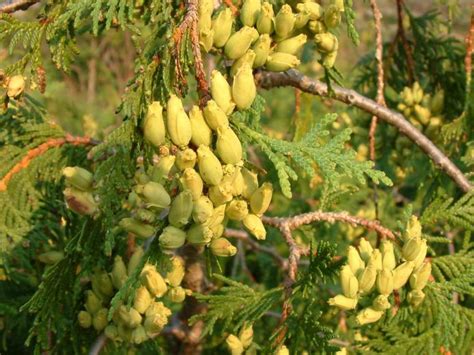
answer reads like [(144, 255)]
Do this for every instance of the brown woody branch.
[(401, 34), (296, 79), (8, 7), (469, 40)]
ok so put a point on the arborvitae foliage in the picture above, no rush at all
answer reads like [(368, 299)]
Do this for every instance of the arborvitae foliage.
[(107, 239)]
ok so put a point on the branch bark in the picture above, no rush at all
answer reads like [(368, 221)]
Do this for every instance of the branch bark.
[(296, 79), (8, 7)]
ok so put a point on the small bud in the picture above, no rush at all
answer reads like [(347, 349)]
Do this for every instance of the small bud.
[(181, 209), (222, 247), (415, 297), (422, 114), (220, 194), (284, 22), (218, 230), (339, 4), (217, 217), (326, 42), (368, 315), (265, 19), (93, 302), (139, 335), (254, 225), (145, 216), (210, 167), (16, 86), (172, 238), (202, 209), (354, 260), (134, 260), (365, 249), (375, 260), (199, 234), (99, 320), (228, 146), (332, 16), (140, 229), (234, 344), (162, 169), (130, 317), (192, 182), (240, 42), (176, 274), (85, 319), (222, 95), (178, 124), (80, 202), (222, 27), (421, 254), (155, 195), (201, 133), (385, 282), (153, 281), (186, 159), (317, 27), (329, 59), (246, 335), (313, 9), (301, 20), (261, 198), (250, 183), (154, 127), (177, 294), (388, 256), (381, 303), (206, 38), (280, 61), (261, 49), (78, 177), (419, 278), (349, 283), (291, 45), (401, 274), (237, 182), (411, 249), (244, 89), (248, 57), (156, 318), (343, 302), (237, 210), (215, 116), (282, 350), (250, 11), (413, 228), (51, 257), (102, 285), (417, 92), (111, 332), (119, 272), (367, 279), (142, 300), (437, 102)]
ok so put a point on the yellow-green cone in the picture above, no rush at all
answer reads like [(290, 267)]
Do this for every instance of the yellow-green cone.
[(172, 238), (215, 116), (175, 276), (237, 210), (99, 320), (202, 209), (414, 229), (411, 249), (209, 166), (177, 294), (422, 114), (420, 277), (144, 215), (367, 279), (199, 234), (250, 180), (262, 50), (51, 257), (228, 146), (234, 344), (401, 274), (343, 302), (375, 260), (220, 194), (246, 335), (244, 89), (254, 225), (102, 285), (381, 303), (206, 37), (181, 209), (291, 45), (326, 42), (349, 283), (93, 302), (134, 260), (79, 201), (111, 332), (385, 282), (237, 182), (119, 272), (139, 335), (329, 59), (186, 159), (155, 195), (388, 256), (339, 4), (249, 12), (240, 42), (16, 86), (154, 126), (265, 21), (284, 22), (78, 178), (316, 27), (201, 133), (84, 319), (365, 249), (192, 181), (332, 16), (140, 229), (261, 198), (130, 317), (248, 57), (313, 9), (415, 297), (222, 247), (279, 62), (368, 315), (217, 217), (221, 94), (355, 261), (161, 170), (177, 122), (437, 102), (153, 281), (142, 299), (222, 27), (156, 318), (301, 19), (421, 254), (205, 9)]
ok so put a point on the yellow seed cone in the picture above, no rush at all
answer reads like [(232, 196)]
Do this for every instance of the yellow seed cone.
[(261, 198), (221, 93), (228, 146), (284, 22), (222, 27), (250, 11), (279, 61), (248, 57), (220, 194), (292, 45), (186, 159), (343, 302), (178, 124), (78, 177), (181, 209), (368, 315), (192, 181), (222, 247), (172, 238), (244, 89), (175, 276), (210, 168), (254, 225), (154, 126), (15, 86), (215, 116), (262, 50), (250, 180), (265, 21), (237, 210), (240, 42), (202, 209)]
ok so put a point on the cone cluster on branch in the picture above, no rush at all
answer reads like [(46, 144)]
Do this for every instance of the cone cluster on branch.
[(238, 344), (147, 316), (264, 36), (372, 274)]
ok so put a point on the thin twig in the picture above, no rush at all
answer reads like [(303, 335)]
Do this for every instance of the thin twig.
[(98, 345), (232, 7), (8, 7), (469, 40), (39, 150), (294, 78), (406, 46)]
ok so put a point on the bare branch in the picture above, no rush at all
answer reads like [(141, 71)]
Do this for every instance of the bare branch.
[(296, 79), (8, 7), (401, 34)]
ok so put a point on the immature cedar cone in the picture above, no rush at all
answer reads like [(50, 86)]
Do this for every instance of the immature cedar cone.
[(343, 302), (199, 234), (186, 159), (248, 57), (261, 198), (240, 42), (261, 49), (265, 20), (234, 344), (222, 27), (280, 61), (401, 274), (153, 281), (140, 229), (154, 126), (176, 274), (228, 146), (284, 22), (202, 209), (368, 315), (155, 195), (237, 210), (16, 86), (78, 177), (249, 12), (192, 181), (222, 247), (313, 9), (209, 166), (385, 282), (355, 261), (291, 45), (181, 209), (349, 283), (179, 126), (172, 238), (201, 133), (255, 226), (215, 116), (365, 249), (221, 94), (244, 89)]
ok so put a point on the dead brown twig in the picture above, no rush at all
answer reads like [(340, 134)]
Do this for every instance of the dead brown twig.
[(8, 7)]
